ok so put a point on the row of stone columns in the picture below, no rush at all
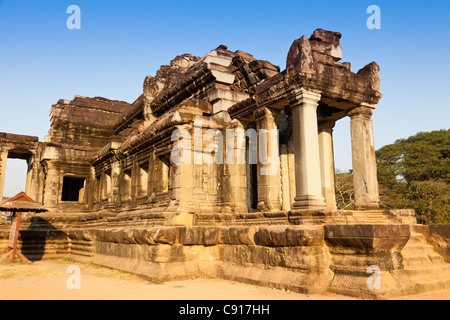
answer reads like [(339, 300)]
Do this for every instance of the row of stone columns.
[(314, 164)]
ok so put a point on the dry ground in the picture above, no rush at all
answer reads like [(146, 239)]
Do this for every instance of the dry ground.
[(47, 280)]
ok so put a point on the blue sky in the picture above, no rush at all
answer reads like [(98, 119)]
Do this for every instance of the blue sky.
[(120, 42)]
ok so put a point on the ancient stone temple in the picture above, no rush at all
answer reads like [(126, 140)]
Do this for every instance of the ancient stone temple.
[(224, 165)]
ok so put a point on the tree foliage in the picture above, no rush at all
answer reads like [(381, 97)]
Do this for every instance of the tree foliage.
[(415, 173), (345, 193)]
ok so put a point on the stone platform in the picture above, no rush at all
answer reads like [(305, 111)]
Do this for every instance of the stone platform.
[(338, 258)]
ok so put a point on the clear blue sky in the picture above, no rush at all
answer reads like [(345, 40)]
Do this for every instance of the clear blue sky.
[(120, 42)]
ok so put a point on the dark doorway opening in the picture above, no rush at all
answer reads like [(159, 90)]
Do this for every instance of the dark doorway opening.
[(252, 168), (72, 189), (254, 186)]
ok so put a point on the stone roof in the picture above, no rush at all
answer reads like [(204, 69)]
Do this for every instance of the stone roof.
[(21, 202), (97, 111)]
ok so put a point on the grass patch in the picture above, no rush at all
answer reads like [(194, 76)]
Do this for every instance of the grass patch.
[(113, 273), (20, 270)]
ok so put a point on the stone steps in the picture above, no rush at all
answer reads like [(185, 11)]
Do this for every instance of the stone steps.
[(424, 259), (361, 217), (367, 218), (424, 271), (416, 248), (374, 216), (418, 252), (432, 284), (417, 238), (424, 266)]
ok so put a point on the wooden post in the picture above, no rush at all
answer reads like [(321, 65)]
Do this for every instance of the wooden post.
[(13, 237), (17, 204)]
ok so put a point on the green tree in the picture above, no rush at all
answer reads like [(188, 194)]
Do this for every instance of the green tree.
[(415, 173)]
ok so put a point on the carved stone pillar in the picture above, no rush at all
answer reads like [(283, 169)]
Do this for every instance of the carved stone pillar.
[(327, 162), (52, 181), (3, 160), (269, 185), (363, 157), (306, 149), (34, 182), (235, 171), (291, 165), (28, 179), (116, 171), (285, 191)]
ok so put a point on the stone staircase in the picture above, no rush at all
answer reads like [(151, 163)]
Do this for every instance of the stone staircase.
[(423, 265), (373, 216), (362, 217)]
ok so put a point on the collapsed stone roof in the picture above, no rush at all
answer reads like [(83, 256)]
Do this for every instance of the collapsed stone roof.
[(84, 110)]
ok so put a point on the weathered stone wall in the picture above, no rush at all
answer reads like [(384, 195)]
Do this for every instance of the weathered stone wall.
[(301, 258), (262, 256)]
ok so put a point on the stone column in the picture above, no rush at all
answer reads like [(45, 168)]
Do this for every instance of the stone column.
[(3, 160), (268, 175), (327, 162), (235, 171), (308, 183), (291, 165), (33, 189), (363, 157), (285, 191), (116, 171), (52, 180), (93, 189)]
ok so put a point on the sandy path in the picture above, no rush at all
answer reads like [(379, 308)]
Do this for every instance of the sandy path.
[(46, 280)]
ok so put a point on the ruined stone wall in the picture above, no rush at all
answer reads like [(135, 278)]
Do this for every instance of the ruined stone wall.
[(308, 259)]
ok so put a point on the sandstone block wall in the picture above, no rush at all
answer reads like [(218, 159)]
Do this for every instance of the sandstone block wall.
[(300, 258)]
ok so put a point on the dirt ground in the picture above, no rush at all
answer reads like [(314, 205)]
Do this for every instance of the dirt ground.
[(48, 280)]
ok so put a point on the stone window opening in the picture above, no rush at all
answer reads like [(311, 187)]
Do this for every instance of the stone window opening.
[(73, 189), (252, 173)]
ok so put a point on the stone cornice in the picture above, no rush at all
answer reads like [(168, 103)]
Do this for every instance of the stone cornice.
[(136, 108), (106, 152), (242, 109)]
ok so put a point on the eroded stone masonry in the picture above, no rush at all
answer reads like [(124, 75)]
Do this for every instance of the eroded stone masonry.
[(116, 197)]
